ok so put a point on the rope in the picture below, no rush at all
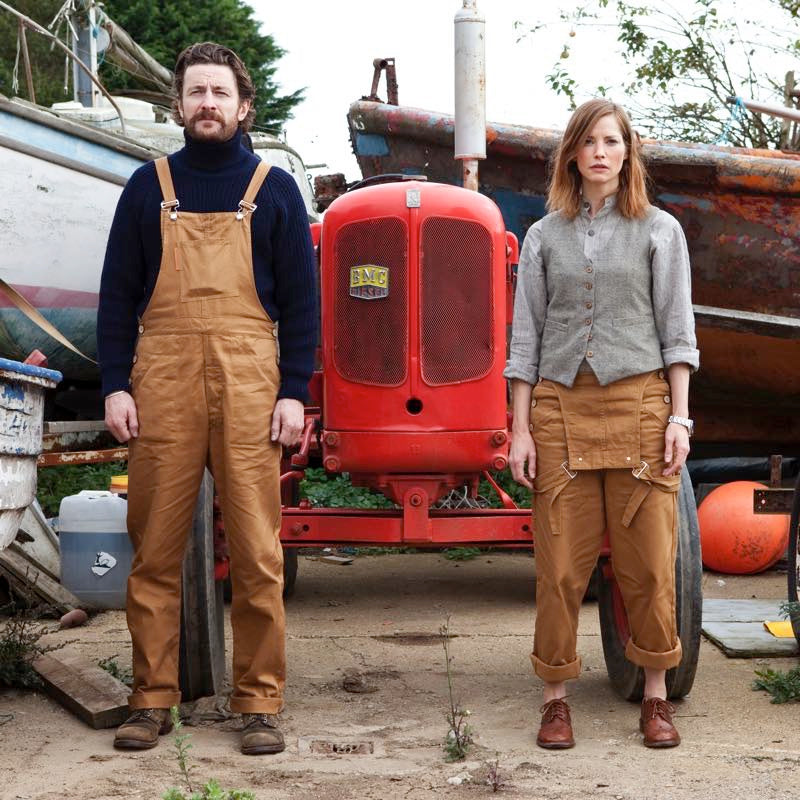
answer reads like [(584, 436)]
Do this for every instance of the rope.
[(738, 114)]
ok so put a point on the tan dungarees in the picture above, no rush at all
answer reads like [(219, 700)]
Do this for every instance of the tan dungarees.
[(599, 459), (205, 380)]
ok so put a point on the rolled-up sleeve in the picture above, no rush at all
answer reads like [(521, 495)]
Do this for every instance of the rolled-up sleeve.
[(530, 309), (672, 293)]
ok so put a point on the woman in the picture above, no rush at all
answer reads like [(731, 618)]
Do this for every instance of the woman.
[(602, 347)]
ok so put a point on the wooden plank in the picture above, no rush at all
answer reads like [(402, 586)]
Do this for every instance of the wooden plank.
[(32, 580), (748, 640), (740, 610), (83, 688)]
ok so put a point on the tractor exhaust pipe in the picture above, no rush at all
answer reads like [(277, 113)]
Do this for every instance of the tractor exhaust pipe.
[(470, 91)]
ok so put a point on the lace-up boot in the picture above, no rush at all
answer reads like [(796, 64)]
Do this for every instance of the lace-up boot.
[(261, 735), (555, 732), (142, 729), (656, 723)]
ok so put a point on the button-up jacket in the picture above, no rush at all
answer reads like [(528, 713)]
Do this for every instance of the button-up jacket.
[(611, 291)]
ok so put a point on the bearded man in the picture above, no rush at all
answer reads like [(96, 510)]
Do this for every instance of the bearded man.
[(208, 251)]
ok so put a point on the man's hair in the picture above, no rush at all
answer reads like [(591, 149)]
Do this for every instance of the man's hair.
[(213, 53), (564, 193)]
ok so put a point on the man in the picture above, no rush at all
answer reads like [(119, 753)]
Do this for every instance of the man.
[(209, 248)]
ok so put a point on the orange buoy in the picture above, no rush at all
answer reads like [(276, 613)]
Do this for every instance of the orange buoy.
[(733, 538)]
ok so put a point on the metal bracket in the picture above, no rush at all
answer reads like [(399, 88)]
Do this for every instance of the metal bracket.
[(171, 206), (245, 208), (380, 65)]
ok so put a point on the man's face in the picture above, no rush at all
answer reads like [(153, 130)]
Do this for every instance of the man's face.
[(210, 104)]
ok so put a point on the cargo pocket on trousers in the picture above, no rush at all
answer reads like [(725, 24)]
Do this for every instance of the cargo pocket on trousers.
[(548, 489), (202, 265)]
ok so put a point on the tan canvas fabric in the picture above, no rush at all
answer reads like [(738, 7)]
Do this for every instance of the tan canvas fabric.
[(599, 459), (205, 380)]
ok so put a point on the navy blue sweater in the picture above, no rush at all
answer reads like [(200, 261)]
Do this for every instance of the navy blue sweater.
[(211, 177)]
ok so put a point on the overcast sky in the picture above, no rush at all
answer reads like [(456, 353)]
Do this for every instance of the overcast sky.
[(330, 46)]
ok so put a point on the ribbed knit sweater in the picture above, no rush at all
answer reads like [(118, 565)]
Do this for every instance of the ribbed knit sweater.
[(211, 177)]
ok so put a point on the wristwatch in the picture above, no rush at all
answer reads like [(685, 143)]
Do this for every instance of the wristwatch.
[(685, 421)]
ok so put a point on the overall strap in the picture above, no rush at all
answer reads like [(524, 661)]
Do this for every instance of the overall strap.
[(170, 202), (246, 204)]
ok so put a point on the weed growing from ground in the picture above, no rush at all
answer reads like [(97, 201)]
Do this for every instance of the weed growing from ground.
[(336, 491), (459, 733), (209, 791), (20, 647), (782, 686), (493, 777), (112, 667)]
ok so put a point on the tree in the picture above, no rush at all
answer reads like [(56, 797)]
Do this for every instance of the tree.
[(163, 28), (683, 67)]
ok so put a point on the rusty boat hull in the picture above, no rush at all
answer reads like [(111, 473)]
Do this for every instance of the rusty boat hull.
[(740, 211)]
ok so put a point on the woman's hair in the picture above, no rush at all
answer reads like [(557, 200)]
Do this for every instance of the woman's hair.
[(213, 53), (564, 193)]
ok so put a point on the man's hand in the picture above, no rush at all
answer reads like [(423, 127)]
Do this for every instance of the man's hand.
[(676, 448), (288, 419), (121, 417)]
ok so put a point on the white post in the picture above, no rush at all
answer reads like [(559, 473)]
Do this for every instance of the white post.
[(470, 91)]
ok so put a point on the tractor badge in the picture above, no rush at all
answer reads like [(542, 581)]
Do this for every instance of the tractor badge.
[(369, 282)]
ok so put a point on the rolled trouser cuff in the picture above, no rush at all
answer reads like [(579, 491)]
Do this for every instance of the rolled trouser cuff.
[(256, 705), (646, 658), (139, 700), (551, 674)]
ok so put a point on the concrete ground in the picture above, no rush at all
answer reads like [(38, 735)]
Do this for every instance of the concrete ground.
[(379, 618)]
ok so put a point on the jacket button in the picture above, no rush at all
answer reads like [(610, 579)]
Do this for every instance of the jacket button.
[(589, 354), (135, 359), (589, 269), (591, 233), (661, 373), (588, 285), (667, 398), (587, 321), (589, 337), (588, 305), (533, 402), (141, 329)]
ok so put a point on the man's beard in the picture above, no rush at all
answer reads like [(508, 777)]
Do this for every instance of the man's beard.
[(214, 135)]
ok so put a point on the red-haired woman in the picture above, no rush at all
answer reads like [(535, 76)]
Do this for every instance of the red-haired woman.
[(602, 348)]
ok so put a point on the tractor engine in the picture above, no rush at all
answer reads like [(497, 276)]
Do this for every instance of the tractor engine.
[(416, 287)]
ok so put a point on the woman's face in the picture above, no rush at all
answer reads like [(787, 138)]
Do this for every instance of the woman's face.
[(601, 155)]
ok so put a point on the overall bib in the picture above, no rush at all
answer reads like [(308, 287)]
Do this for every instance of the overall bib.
[(205, 381), (599, 463)]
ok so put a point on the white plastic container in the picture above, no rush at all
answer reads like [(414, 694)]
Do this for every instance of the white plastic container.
[(96, 552)]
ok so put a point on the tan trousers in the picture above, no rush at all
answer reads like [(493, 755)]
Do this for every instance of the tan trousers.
[(205, 382), (574, 505)]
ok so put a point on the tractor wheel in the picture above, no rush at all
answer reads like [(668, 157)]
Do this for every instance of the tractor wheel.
[(794, 560), (289, 571), (202, 648), (627, 678)]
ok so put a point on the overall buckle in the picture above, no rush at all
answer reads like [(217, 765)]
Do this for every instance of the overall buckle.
[(565, 467), (172, 207), (245, 208), (637, 471)]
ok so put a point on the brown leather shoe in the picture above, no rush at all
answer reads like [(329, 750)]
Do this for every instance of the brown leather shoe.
[(555, 732), (261, 735), (656, 723), (142, 729)]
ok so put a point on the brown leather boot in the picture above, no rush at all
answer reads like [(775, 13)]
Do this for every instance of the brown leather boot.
[(142, 729), (555, 732), (656, 723), (261, 735)]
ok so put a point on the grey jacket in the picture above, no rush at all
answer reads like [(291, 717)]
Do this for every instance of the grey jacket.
[(614, 292)]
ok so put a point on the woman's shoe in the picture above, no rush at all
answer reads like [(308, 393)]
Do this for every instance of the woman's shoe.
[(555, 732), (656, 723)]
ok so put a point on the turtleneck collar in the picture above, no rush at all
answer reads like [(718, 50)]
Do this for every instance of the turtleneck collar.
[(212, 156)]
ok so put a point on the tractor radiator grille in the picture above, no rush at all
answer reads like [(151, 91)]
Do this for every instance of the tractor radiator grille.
[(370, 336), (456, 300)]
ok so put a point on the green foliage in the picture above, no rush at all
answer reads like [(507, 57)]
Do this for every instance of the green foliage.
[(209, 791), (20, 647), (337, 491), (164, 29), (684, 62), (461, 553), (55, 483), (112, 667), (783, 686)]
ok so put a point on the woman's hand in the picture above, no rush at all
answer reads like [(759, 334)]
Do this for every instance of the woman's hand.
[(522, 450), (676, 448)]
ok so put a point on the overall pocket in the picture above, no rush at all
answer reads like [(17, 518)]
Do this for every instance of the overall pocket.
[(203, 267)]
